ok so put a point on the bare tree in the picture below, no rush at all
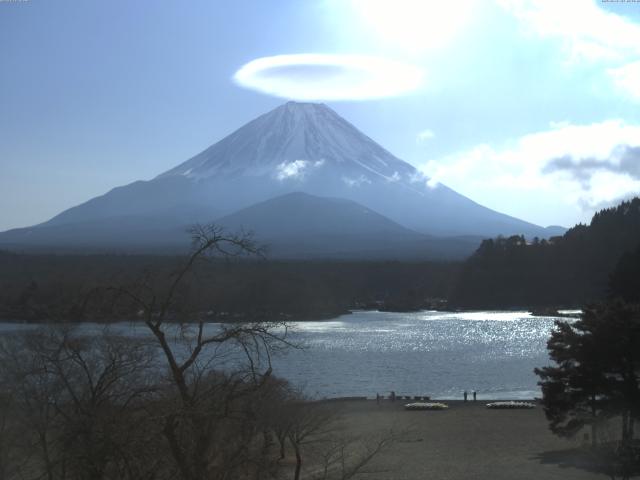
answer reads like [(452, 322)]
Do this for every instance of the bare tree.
[(209, 393), (75, 401), (308, 423), (315, 432), (345, 457), (189, 400), (7, 437)]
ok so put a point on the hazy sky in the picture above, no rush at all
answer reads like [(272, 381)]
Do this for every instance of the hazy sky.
[(531, 108)]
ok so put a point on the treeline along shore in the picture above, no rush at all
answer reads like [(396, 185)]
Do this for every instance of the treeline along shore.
[(584, 265), (76, 287), (504, 273)]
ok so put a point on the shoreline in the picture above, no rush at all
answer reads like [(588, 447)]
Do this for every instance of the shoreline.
[(464, 441), (323, 317), (454, 402)]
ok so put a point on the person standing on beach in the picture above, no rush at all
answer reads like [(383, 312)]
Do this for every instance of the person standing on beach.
[(474, 395), (465, 395)]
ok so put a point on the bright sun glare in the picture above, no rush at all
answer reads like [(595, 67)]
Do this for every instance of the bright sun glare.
[(415, 26)]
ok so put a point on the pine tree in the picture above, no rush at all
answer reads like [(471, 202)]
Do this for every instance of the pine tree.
[(597, 372)]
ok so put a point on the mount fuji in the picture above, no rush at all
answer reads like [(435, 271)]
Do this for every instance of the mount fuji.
[(294, 161)]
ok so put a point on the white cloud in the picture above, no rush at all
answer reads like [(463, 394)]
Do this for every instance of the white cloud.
[(293, 169), (329, 77), (627, 78), (414, 26), (425, 135), (605, 189), (418, 177), (583, 164), (587, 31), (296, 169), (356, 182)]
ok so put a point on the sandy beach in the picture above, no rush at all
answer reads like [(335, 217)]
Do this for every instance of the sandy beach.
[(467, 441)]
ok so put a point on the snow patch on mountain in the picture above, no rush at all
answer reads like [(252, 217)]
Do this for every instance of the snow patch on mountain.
[(296, 169), (292, 169), (356, 182), (297, 147), (292, 141)]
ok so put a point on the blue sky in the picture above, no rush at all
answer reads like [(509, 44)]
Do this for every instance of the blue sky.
[(529, 107)]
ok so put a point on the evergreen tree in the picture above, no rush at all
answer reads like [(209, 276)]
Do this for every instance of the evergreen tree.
[(564, 271), (624, 281), (597, 372)]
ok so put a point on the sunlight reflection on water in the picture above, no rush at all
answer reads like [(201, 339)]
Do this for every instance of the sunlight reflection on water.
[(424, 353), (434, 353)]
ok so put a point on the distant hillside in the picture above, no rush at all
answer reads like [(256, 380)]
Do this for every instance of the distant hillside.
[(567, 270), (302, 226)]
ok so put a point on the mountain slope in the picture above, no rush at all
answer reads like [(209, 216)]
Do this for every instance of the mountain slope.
[(297, 147), (301, 136), (303, 214), (298, 225), (125, 233), (308, 147)]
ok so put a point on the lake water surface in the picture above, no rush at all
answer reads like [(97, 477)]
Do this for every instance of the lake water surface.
[(425, 353)]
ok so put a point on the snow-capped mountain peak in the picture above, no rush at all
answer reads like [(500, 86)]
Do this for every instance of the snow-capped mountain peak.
[(293, 141), (298, 147)]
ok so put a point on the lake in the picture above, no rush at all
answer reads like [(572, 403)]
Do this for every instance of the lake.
[(440, 354)]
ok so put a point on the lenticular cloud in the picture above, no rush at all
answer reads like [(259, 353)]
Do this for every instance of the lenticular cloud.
[(329, 77)]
